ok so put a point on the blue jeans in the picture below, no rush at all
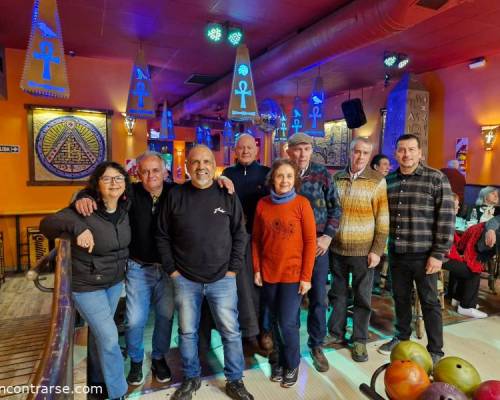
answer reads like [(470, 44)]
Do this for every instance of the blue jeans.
[(284, 304), (145, 287), (98, 309), (222, 299), (316, 317)]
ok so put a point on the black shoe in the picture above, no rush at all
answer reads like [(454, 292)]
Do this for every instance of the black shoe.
[(187, 388), (274, 357), (290, 377), (386, 348), (276, 373), (135, 376), (435, 358), (319, 360), (161, 371), (236, 390)]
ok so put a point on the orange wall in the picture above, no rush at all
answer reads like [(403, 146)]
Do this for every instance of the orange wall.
[(461, 101), (94, 83)]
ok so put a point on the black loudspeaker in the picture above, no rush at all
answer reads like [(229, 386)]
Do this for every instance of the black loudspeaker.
[(353, 113)]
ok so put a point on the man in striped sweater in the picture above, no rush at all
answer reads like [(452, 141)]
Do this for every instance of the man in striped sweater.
[(358, 245)]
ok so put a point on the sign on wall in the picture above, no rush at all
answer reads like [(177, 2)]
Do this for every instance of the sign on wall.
[(66, 144), (9, 148), (315, 116), (44, 71)]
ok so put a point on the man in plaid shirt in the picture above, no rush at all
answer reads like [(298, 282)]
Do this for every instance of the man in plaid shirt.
[(422, 222)]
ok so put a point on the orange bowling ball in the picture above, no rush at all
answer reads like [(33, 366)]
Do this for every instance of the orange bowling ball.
[(405, 380)]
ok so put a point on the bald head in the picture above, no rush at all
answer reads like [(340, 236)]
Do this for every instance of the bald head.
[(246, 149), (201, 166)]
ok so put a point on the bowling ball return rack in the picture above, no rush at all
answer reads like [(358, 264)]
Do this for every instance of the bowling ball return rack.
[(369, 390)]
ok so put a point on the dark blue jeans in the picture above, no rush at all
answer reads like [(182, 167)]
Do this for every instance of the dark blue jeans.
[(284, 305), (362, 282), (316, 317)]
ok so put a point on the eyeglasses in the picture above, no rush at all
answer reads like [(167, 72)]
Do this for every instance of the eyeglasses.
[(115, 179)]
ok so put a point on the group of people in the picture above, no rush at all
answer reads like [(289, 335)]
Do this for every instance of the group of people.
[(254, 255)]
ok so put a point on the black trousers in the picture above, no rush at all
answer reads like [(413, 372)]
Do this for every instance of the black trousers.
[(404, 271), (362, 282), (463, 284)]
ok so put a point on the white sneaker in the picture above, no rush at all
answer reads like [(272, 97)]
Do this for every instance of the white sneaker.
[(454, 303), (471, 312)]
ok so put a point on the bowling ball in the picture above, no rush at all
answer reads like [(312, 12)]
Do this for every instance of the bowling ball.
[(459, 373), (488, 390), (442, 391), (413, 351), (405, 380)]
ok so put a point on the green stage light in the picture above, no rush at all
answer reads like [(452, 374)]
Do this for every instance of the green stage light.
[(235, 36), (214, 32)]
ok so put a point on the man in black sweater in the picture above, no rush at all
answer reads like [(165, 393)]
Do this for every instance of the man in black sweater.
[(201, 240), (249, 179)]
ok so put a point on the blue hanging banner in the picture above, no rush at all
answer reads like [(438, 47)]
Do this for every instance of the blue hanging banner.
[(242, 102), (315, 122), (140, 97), (200, 134), (296, 117), (208, 137), (228, 134), (167, 123), (44, 72)]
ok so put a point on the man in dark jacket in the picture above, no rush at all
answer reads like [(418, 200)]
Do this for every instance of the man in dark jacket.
[(249, 179), (201, 240)]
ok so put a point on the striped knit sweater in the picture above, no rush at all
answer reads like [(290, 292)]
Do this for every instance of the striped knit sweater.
[(364, 224)]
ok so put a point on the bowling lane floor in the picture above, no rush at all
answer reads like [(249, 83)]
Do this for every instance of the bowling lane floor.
[(477, 341)]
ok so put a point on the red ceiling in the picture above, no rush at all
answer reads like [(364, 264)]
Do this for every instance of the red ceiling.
[(172, 35)]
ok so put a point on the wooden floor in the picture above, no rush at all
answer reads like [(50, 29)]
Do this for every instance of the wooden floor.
[(24, 323), (24, 316)]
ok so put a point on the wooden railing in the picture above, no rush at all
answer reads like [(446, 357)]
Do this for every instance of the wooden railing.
[(54, 376)]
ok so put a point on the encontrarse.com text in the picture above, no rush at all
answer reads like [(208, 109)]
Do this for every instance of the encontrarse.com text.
[(33, 389)]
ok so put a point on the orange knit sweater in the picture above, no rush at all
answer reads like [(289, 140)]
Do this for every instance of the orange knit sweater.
[(284, 240)]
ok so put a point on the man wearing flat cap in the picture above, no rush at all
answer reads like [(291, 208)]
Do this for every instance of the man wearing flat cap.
[(318, 187)]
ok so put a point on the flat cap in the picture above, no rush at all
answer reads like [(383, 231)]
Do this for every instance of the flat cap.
[(299, 138)]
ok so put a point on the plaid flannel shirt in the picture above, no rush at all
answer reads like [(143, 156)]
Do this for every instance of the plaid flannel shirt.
[(421, 212)]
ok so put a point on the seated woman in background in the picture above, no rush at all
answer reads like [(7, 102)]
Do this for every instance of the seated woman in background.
[(463, 284), (99, 252), (283, 250), (487, 203)]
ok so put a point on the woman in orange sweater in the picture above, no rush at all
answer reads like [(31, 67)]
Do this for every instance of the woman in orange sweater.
[(283, 249)]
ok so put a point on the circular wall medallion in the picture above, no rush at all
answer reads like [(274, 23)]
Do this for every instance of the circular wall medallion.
[(70, 147)]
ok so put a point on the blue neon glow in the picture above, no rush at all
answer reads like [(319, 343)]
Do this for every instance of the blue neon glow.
[(46, 86), (200, 134), (141, 92), (243, 70), (208, 137), (46, 31), (316, 101), (46, 54), (170, 125), (243, 92), (141, 75), (139, 112), (228, 134)]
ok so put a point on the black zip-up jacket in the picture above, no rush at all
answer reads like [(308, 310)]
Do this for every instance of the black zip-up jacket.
[(201, 233), (250, 186), (105, 266)]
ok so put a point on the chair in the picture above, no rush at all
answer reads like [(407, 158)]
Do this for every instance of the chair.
[(417, 307)]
